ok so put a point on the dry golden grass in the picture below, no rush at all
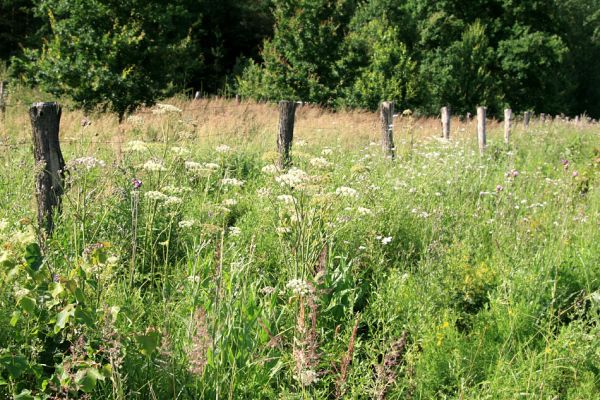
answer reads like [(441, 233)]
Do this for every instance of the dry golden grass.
[(221, 120)]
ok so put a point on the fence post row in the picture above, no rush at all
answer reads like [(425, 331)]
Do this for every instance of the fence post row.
[(526, 118), (446, 122), (287, 110), (481, 137), (50, 165), (387, 126), (507, 123), (3, 87)]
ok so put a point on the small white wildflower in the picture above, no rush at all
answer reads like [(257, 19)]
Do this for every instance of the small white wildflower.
[(155, 195), (386, 240), (345, 191), (298, 287), (135, 145), (211, 166), (86, 162), (229, 202), (166, 108), (173, 201), (170, 189), (326, 151), (180, 151), (232, 182), (364, 211), (300, 143), (234, 231), (283, 230), (193, 279), (269, 169), (308, 377), (154, 166), (223, 148), (186, 224), (320, 162), (293, 177), (263, 192), (286, 198)]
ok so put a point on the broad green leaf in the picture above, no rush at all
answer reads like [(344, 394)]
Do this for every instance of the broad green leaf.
[(63, 317), (87, 379), (33, 256), (148, 342), (27, 304)]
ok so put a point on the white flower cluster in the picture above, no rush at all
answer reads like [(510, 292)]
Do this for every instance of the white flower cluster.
[(86, 162), (269, 169), (308, 377), (232, 182), (197, 167), (345, 191), (187, 223), (229, 202), (166, 108), (286, 198), (234, 231), (176, 189), (223, 149), (364, 211), (299, 287), (135, 145), (160, 196), (326, 151), (293, 177), (180, 151), (154, 166), (320, 162)]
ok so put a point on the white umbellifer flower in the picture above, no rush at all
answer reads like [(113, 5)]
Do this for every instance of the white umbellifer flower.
[(173, 201), (223, 148), (326, 151), (155, 195), (232, 182), (234, 231), (300, 143), (185, 224), (320, 162), (192, 165), (293, 177), (135, 145), (176, 189), (193, 279), (286, 198), (166, 108), (345, 191), (3, 224), (180, 151), (229, 202), (283, 230), (364, 211), (308, 377), (86, 162), (269, 169), (154, 166), (135, 120), (298, 287), (263, 192), (211, 166), (386, 240)]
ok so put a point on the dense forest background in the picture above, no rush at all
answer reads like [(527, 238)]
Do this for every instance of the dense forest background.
[(540, 55)]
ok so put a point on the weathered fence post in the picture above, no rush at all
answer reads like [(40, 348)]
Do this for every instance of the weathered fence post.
[(446, 122), (481, 138), (238, 99), (387, 128), (542, 118), (3, 85), (526, 118), (50, 165), (197, 96), (507, 122), (285, 135)]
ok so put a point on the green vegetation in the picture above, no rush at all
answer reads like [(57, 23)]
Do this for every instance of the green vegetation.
[(423, 54), (186, 269)]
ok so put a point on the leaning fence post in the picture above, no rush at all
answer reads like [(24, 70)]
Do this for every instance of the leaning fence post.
[(3, 85), (507, 122), (526, 118), (542, 118), (285, 135), (446, 122), (387, 128), (50, 165), (481, 138)]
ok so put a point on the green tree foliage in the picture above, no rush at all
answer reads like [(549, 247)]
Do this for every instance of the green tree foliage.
[(18, 26), (117, 55)]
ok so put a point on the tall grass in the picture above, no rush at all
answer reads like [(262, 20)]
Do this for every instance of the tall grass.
[(441, 274)]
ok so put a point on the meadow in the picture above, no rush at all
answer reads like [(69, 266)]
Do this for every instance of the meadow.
[(186, 265)]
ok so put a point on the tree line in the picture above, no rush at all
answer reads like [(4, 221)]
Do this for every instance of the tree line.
[(539, 55)]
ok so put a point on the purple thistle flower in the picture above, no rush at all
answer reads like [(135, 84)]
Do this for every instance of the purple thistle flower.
[(136, 183)]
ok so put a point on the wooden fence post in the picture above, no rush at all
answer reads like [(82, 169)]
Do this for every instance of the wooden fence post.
[(481, 136), (507, 122), (50, 165), (197, 96), (542, 118), (446, 122), (3, 86), (285, 135), (526, 118), (387, 128), (238, 99)]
